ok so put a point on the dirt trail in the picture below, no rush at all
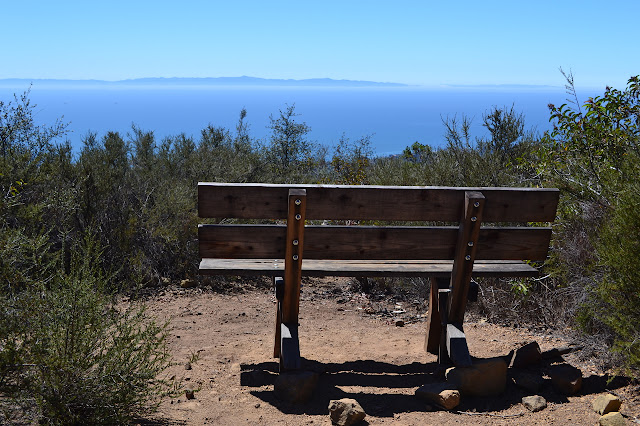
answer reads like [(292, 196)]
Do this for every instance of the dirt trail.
[(228, 342)]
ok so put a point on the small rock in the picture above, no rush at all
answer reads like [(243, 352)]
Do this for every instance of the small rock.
[(399, 322), (345, 412), (566, 378), (534, 403), (442, 394), (486, 377), (257, 405), (529, 381), (526, 355), (612, 419), (296, 386), (188, 283), (606, 403), (189, 394), (187, 366)]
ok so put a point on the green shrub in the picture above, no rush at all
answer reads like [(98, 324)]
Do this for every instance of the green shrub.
[(592, 155), (618, 294), (81, 358)]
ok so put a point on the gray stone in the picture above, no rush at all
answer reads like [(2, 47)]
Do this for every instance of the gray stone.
[(612, 419), (296, 387), (441, 394), (345, 412), (606, 403), (527, 380), (486, 377), (534, 403), (566, 378), (526, 355)]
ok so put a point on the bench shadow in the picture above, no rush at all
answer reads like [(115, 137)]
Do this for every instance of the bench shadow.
[(391, 388)]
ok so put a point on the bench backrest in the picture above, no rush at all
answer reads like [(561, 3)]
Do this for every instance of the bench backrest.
[(521, 206)]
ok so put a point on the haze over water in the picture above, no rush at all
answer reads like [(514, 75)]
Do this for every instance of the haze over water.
[(394, 117)]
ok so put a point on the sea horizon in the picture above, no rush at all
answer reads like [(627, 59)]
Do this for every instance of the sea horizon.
[(393, 115)]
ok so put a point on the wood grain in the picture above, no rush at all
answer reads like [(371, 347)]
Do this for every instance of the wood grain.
[(434, 327), (371, 268), (293, 255), (370, 242), (466, 250), (390, 203)]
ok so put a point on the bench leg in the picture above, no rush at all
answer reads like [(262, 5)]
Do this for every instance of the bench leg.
[(278, 285), (443, 305), (456, 346), (434, 326), (286, 345), (289, 347), (445, 339)]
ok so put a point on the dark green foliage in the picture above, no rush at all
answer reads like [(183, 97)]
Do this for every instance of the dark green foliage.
[(289, 152), (350, 162), (67, 347), (618, 294), (63, 345), (592, 154), (417, 153)]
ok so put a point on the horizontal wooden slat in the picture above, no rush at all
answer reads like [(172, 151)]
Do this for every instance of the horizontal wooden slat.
[(349, 268), (388, 203), (370, 242)]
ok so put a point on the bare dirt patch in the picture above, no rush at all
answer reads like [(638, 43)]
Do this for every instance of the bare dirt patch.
[(223, 348)]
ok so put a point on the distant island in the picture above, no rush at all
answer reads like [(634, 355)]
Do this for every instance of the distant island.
[(209, 81)]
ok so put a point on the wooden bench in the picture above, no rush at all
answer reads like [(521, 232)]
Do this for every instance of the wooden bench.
[(286, 248)]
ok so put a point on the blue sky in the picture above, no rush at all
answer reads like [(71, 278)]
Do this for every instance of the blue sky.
[(414, 42)]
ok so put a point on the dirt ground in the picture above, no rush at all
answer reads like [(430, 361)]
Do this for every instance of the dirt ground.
[(360, 353)]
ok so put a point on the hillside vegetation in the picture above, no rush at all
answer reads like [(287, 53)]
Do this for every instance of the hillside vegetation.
[(119, 216)]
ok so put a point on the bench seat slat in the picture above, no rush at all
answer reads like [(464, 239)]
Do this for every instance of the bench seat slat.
[(371, 268), (391, 203), (370, 242)]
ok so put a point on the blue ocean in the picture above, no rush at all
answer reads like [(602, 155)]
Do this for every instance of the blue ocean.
[(393, 117)]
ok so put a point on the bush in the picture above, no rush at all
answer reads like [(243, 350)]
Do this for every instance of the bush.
[(618, 293), (83, 360), (592, 155)]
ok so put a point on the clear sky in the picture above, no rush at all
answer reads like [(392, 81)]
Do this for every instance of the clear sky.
[(415, 42)]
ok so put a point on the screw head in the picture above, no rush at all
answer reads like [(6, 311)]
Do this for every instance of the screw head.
[(473, 219), (470, 243), (295, 242), (298, 217), (476, 204), (467, 257), (295, 257), (298, 202)]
